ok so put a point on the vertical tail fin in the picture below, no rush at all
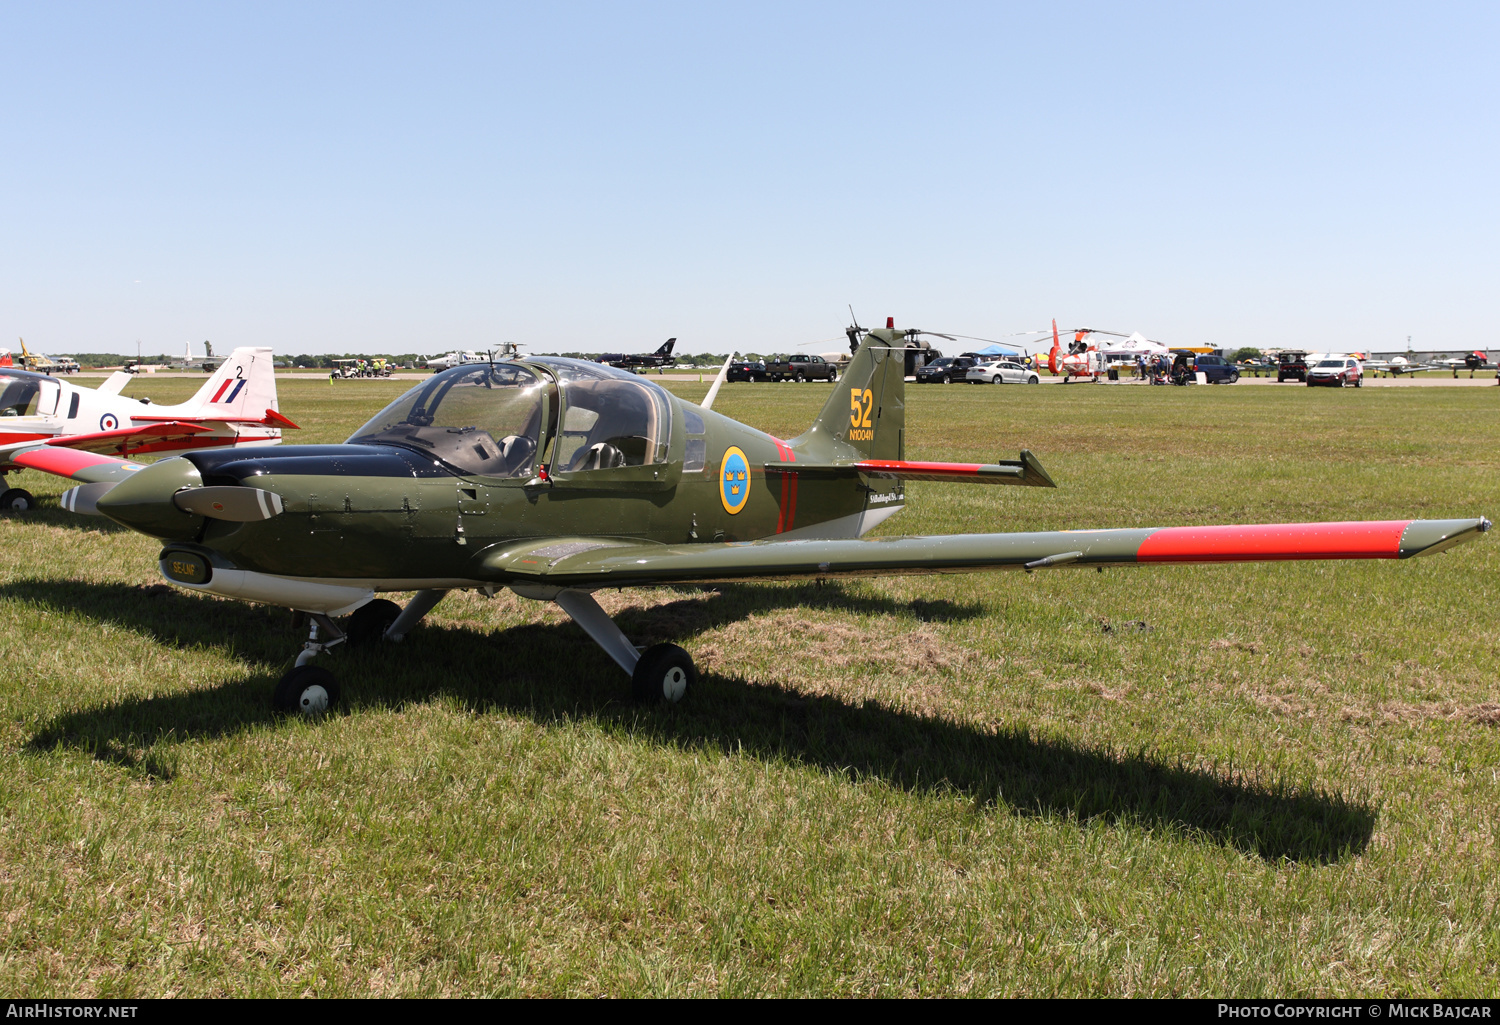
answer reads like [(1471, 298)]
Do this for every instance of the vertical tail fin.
[(666, 349), (243, 386), (1056, 345), (865, 417)]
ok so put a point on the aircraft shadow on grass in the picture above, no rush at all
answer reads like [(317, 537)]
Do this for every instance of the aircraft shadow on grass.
[(50, 514), (552, 673)]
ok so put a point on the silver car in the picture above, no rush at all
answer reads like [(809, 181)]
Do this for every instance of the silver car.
[(1002, 371)]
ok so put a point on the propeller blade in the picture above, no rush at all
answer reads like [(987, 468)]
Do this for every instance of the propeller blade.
[(235, 504), (84, 499)]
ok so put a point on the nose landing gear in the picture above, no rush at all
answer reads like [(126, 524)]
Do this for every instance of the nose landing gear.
[(307, 689)]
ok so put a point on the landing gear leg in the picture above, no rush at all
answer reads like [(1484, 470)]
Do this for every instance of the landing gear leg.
[(421, 604), (663, 674), (309, 689)]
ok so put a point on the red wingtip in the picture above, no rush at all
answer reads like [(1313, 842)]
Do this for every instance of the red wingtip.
[(273, 417)]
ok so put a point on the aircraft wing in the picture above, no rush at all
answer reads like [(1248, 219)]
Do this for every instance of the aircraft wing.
[(587, 562), (126, 438), (88, 467), (271, 419), (156, 433)]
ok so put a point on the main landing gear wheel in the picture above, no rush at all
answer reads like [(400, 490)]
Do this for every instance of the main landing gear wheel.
[(663, 676), (306, 690), (17, 500), (368, 624)]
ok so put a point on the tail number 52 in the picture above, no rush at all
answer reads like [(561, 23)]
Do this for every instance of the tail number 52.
[(861, 404)]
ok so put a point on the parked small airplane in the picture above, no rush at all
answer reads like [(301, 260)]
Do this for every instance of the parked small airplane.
[(662, 357), (38, 363), (456, 359), (556, 477), (1471, 362), (49, 425)]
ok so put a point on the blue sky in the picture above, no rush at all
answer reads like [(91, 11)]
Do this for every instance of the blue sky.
[(401, 177)]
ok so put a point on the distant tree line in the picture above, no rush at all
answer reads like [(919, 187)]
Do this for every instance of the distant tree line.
[(93, 360)]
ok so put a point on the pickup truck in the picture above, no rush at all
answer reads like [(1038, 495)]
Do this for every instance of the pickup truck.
[(800, 367)]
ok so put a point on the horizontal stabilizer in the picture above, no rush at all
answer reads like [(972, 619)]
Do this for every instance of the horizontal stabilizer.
[(271, 419), (1026, 471), (612, 562)]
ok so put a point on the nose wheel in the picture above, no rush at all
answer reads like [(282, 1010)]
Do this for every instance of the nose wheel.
[(306, 690), (17, 500), (310, 690)]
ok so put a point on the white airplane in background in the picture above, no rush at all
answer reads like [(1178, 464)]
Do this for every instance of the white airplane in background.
[(57, 427), (456, 359), (1395, 366)]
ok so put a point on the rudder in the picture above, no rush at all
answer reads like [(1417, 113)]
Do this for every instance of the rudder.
[(865, 417), (243, 386)]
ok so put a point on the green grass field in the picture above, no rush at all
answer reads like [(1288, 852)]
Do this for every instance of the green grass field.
[(1249, 780)]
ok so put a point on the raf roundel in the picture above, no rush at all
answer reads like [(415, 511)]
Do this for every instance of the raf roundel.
[(108, 422), (734, 480)]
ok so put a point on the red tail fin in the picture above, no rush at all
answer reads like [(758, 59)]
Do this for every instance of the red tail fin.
[(1056, 344)]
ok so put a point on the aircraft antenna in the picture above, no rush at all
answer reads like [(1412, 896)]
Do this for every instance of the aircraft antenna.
[(713, 392)]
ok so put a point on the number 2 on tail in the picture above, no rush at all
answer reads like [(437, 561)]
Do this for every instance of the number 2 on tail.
[(861, 403)]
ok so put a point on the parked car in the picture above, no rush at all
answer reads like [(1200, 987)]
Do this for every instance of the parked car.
[(1001, 371), (1215, 369), (800, 366), (946, 369), (1336, 372), (1291, 365), (746, 370)]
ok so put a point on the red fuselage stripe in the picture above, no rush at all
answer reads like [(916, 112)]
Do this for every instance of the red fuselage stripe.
[(788, 488), (955, 469), (1380, 539)]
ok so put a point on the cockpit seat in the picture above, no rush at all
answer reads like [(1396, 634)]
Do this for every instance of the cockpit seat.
[(600, 456), (515, 452)]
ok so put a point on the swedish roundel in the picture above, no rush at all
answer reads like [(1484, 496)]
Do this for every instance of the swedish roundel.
[(734, 480)]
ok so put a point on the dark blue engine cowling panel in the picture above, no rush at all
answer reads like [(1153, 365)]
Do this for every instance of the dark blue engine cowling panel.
[(314, 460)]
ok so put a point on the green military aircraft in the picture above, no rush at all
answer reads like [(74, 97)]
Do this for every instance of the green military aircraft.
[(556, 477)]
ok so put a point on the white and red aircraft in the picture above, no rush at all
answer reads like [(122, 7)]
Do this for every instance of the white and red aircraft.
[(49, 425)]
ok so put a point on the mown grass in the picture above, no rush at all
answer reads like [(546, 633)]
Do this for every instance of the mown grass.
[(1180, 780)]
